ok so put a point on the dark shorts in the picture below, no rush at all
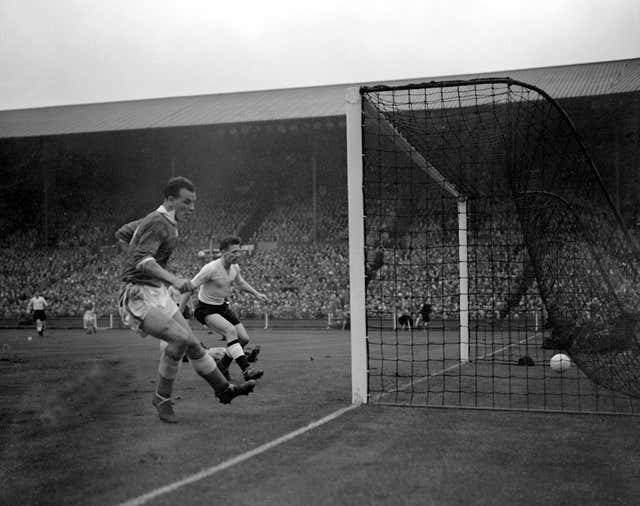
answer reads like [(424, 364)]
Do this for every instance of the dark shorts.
[(39, 314), (403, 319), (203, 310)]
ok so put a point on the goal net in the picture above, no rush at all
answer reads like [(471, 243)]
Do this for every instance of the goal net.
[(483, 243)]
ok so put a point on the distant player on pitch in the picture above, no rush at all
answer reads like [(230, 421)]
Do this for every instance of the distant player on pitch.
[(36, 305), (212, 309), (89, 319)]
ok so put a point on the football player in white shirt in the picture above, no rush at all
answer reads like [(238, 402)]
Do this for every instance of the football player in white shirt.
[(214, 282), (89, 318), (37, 305)]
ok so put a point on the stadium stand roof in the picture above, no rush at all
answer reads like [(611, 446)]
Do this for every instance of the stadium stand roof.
[(577, 80)]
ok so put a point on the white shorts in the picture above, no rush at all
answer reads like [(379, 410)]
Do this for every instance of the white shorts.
[(89, 320), (137, 300)]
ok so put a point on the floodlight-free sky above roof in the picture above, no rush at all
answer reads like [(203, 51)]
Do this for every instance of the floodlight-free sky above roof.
[(119, 50)]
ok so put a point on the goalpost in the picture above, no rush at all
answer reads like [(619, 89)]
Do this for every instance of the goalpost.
[(357, 294), (356, 241), (485, 206)]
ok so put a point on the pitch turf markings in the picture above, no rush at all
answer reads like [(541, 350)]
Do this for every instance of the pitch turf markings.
[(452, 367), (205, 473)]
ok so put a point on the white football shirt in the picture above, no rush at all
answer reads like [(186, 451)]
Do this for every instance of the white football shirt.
[(215, 281), (37, 303)]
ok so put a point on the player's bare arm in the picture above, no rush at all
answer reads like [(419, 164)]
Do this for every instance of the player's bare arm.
[(246, 287), (151, 267)]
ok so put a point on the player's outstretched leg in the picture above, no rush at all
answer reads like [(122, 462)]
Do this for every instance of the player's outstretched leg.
[(234, 349), (164, 406), (167, 370), (223, 361), (235, 337), (234, 352), (223, 364), (180, 340), (252, 356), (206, 367), (233, 391)]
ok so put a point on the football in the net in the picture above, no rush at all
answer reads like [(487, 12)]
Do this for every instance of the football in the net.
[(560, 362)]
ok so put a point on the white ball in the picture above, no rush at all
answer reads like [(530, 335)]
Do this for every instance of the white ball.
[(560, 362), (29, 338)]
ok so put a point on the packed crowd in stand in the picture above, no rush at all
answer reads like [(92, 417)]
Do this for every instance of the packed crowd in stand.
[(303, 278), (292, 221), (83, 262), (215, 219)]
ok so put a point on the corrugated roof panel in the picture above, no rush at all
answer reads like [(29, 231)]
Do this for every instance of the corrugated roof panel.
[(629, 79), (320, 101), (568, 81)]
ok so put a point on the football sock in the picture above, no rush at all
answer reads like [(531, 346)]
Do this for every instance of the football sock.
[(168, 367), (205, 366), (168, 370), (165, 387), (226, 360), (237, 353)]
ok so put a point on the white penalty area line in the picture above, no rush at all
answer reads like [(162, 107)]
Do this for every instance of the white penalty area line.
[(205, 473)]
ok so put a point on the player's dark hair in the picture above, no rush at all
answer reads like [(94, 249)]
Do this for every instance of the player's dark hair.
[(175, 184), (229, 241)]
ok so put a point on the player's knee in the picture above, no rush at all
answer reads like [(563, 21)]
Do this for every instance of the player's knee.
[(183, 341), (231, 334), (195, 350), (174, 351), (191, 341)]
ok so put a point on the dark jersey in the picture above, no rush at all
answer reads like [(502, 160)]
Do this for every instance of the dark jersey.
[(154, 236), (125, 232), (378, 260)]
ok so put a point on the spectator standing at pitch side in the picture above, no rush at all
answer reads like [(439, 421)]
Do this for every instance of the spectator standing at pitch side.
[(37, 305)]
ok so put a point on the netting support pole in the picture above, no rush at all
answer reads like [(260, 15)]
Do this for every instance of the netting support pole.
[(357, 293), (463, 272)]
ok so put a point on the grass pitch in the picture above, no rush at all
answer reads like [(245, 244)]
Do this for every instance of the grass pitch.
[(78, 428)]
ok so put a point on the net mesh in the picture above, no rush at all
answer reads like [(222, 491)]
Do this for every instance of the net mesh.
[(496, 166)]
